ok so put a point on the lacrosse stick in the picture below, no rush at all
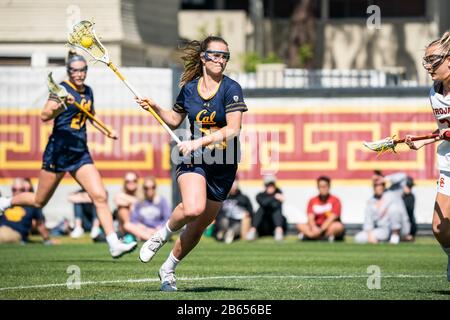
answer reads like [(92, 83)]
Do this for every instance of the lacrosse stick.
[(62, 94), (83, 36), (57, 90), (387, 144)]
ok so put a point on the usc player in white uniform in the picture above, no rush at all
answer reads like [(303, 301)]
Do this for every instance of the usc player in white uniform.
[(437, 62)]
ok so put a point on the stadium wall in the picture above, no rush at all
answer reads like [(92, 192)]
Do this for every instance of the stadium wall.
[(296, 135)]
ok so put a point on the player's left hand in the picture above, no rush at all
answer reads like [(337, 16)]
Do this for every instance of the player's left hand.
[(444, 134), (186, 147)]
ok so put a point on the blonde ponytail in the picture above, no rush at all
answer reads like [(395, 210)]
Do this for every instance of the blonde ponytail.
[(443, 42)]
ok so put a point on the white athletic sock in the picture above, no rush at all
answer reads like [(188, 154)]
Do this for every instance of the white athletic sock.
[(446, 250), (165, 232), (171, 263), (112, 239)]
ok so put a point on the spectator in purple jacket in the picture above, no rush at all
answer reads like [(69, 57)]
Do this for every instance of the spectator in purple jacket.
[(150, 214)]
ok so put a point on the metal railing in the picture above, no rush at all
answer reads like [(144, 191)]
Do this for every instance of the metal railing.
[(324, 78)]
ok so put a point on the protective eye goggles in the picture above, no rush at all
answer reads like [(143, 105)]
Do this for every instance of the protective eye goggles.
[(213, 55), (434, 60), (73, 70)]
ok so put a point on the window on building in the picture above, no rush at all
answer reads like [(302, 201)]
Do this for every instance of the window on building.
[(15, 61), (56, 62)]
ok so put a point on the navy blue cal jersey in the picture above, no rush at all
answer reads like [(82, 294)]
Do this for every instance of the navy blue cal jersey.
[(208, 114), (67, 148)]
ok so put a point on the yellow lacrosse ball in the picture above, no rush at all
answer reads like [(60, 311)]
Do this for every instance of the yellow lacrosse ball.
[(86, 41)]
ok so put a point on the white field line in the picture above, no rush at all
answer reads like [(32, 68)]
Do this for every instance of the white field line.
[(52, 285)]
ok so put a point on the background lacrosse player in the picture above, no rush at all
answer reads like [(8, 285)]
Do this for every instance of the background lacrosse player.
[(67, 151), (437, 63), (215, 103)]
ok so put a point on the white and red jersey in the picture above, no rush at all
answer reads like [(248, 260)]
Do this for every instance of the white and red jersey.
[(323, 209), (441, 112)]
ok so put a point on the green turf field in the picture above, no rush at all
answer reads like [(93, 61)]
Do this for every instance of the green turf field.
[(259, 270)]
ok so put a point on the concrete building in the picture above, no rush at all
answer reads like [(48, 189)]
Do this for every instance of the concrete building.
[(136, 33), (349, 33)]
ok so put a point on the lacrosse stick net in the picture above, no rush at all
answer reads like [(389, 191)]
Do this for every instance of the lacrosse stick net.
[(389, 144), (83, 33), (57, 90), (83, 36)]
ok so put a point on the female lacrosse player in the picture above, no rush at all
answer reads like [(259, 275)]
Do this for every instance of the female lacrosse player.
[(214, 105), (67, 151), (437, 63)]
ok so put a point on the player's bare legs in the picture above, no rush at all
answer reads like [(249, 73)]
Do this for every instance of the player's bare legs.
[(441, 225), (89, 178), (196, 212), (441, 220), (193, 195), (185, 243), (48, 182), (194, 230)]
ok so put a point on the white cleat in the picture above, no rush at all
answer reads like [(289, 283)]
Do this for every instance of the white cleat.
[(76, 233), (150, 247), (95, 232), (122, 248), (5, 203), (168, 281)]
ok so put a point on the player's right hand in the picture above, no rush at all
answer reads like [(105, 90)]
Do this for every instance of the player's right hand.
[(410, 143), (145, 103), (70, 99)]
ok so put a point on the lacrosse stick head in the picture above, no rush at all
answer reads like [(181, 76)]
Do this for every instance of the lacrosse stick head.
[(55, 88), (83, 36), (382, 145)]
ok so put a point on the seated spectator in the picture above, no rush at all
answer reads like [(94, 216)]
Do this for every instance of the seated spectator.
[(236, 208), (16, 222), (401, 185), (268, 219), (85, 215), (385, 216), (126, 199), (149, 215), (324, 212)]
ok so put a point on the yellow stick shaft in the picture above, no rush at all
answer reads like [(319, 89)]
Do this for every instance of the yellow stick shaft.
[(91, 116), (116, 71), (157, 117)]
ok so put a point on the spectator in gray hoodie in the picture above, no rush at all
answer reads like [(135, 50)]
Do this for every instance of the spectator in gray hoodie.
[(386, 217)]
